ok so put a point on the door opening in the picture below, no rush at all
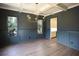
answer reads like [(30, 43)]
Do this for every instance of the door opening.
[(53, 28)]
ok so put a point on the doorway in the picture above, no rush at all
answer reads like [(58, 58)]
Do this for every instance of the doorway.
[(53, 28)]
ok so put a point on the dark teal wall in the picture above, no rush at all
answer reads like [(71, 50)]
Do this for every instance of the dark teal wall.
[(68, 27), (26, 30), (47, 28)]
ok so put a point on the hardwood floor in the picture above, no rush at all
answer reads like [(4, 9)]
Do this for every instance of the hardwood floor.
[(39, 48)]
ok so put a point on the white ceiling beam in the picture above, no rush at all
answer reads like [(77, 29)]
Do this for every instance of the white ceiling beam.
[(69, 7), (51, 6), (46, 11), (77, 4)]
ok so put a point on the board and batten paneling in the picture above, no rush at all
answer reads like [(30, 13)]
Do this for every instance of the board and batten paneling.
[(67, 27)]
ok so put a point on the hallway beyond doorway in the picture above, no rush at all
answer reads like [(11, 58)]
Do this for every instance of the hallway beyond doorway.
[(53, 27)]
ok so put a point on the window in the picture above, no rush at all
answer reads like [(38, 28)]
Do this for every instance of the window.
[(39, 26), (12, 26)]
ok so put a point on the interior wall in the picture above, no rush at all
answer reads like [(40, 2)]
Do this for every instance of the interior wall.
[(68, 27), (47, 28), (26, 30)]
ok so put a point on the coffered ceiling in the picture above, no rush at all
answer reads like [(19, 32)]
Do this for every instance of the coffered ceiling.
[(38, 8)]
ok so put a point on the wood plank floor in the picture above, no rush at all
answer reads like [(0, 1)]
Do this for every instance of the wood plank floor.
[(39, 48)]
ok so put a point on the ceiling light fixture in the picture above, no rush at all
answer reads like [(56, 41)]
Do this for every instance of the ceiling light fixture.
[(36, 18)]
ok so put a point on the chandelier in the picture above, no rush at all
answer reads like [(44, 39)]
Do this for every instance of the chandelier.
[(36, 17)]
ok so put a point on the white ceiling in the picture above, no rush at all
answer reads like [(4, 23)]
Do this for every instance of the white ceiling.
[(41, 8)]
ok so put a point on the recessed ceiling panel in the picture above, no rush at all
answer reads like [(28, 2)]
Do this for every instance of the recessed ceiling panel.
[(39, 8)]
